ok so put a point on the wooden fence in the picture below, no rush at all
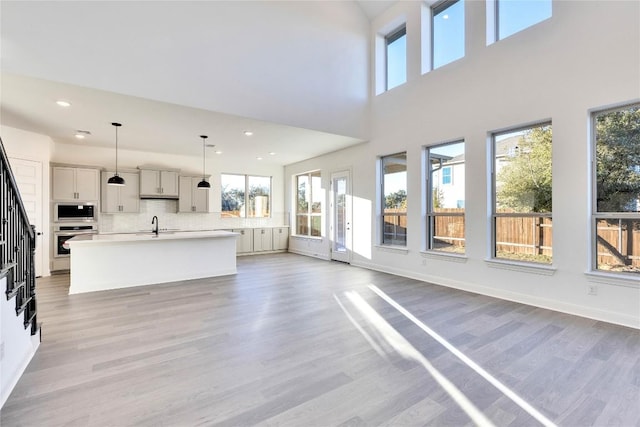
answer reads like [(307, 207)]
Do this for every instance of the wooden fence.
[(618, 243), (527, 237)]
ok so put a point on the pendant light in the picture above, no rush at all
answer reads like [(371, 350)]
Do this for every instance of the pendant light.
[(203, 185), (116, 179)]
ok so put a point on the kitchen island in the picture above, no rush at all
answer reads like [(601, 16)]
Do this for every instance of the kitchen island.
[(112, 261)]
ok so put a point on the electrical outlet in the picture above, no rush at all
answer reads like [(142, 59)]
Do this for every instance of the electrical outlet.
[(592, 290), (424, 261)]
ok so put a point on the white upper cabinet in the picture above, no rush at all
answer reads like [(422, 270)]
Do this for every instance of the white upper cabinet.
[(158, 183), (77, 184), (116, 199), (192, 199)]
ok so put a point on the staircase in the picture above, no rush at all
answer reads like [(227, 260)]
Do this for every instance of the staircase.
[(17, 248)]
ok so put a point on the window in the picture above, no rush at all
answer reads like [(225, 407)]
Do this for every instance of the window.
[(396, 56), (394, 199), (446, 175), (235, 197), (445, 205), (447, 26), (522, 221), (516, 15), (616, 207), (309, 204)]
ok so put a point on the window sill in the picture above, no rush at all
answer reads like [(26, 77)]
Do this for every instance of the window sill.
[(525, 267), (393, 249), (444, 256), (614, 279), (301, 237)]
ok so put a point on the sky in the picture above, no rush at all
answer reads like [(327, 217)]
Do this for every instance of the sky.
[(448, 33)]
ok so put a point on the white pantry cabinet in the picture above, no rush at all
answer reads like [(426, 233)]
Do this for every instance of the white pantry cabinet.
[(116, 199), (75, 183), (158, 183), (192, 198)]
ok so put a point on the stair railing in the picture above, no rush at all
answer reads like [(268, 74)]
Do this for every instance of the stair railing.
[(17, 247)]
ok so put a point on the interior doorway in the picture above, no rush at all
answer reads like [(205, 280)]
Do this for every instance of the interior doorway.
[(28, 175), (341, 202)]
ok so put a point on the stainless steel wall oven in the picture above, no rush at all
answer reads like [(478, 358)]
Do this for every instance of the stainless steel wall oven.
[(62, 233)]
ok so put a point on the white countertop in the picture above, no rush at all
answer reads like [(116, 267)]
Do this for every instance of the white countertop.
[(83, 239)]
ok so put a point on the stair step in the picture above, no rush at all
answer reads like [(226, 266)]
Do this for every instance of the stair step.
[(16, 288), (6, 268), (23, 307), (28, 321)]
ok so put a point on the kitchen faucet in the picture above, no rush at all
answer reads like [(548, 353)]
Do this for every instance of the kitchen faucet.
[(154, 221)]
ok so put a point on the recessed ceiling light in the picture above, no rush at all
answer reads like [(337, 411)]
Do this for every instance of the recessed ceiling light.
[(63, 103), (218, 152), (248, 133), (82, 134), (272, 153), (258, 158)]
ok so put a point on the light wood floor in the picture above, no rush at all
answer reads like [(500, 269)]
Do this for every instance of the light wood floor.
[(271, 346)]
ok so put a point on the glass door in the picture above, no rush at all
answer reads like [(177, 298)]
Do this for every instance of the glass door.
[(340, 217)]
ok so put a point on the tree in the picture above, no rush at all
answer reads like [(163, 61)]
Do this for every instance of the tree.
[(438, 197), (396, 200), (618, 160), (232, 200), (524, 183)]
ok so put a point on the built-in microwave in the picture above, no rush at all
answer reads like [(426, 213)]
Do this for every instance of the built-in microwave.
[(78, 212)]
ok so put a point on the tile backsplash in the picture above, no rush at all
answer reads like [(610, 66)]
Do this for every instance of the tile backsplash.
[(166, 211)]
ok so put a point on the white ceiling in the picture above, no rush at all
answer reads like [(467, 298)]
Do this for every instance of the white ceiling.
[(373, 8), (30, 104), (32, 76)]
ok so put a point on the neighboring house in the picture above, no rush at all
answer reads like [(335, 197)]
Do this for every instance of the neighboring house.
[(450, 178)]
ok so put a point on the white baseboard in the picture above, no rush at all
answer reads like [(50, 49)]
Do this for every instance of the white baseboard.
[(310, 254)]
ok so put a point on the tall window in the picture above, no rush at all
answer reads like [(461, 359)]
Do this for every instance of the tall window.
[(447, 26), (309, 204), (445, 197), (522, 186), (516, 15), (394, 199), (237, 202), (616, 207), (396, 56)]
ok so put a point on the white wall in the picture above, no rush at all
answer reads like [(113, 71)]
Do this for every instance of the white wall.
[(166, 209), (19, 345), (26, 145), (586, 56)]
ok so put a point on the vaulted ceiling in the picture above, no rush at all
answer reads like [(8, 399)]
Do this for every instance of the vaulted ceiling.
[(295, 73)]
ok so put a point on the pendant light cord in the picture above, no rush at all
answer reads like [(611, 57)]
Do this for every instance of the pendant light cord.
[(117, 151), (204, 138)]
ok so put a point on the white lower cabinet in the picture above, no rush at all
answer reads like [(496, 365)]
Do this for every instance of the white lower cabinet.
[(262, 239), (255, 240), (280, 238), (244, 242)]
